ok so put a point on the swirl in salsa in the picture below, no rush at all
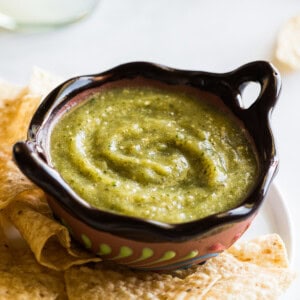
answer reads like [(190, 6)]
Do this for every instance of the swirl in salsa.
[(154, 153)]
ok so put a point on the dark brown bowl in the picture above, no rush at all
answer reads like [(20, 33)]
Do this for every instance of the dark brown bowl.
[(142, 243)]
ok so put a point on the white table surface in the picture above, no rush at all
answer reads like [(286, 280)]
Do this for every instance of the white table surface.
[(193, 34)]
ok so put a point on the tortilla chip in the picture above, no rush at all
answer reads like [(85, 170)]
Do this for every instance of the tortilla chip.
[(12, 181), (15, 115), (229, 275), (250, 286), (287, 53), (42, 82), (5, 255), (244, 280), (265, 251), (19, 284), (49, 240), (9, 91), (17, 106), (109, 281), (21, 277)]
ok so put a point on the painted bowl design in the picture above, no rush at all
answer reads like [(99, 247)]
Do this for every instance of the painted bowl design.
[(137, 242)]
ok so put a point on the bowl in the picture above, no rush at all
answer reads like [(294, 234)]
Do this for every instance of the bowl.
[(142, 243)]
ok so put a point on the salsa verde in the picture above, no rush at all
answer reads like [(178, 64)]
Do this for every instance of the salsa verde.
[(154, 153)]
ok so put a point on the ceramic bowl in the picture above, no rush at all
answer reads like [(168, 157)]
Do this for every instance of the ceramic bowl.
[(140, 243)]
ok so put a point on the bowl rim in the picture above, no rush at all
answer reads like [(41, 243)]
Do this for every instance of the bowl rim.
[(30, 155)]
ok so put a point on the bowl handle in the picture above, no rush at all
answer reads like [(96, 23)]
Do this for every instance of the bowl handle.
[(263, 73)]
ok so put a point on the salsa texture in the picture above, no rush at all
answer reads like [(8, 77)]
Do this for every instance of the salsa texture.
[(154, 153)]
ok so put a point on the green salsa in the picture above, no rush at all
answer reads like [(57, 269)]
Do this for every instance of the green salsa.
[(155, 153)]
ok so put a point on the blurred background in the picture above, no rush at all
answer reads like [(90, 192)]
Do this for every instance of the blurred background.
[(209, 35), (215, 36)]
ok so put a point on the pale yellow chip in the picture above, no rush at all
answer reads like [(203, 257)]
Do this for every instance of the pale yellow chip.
[(287, 53)]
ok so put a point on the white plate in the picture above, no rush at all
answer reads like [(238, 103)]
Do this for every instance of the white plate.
[(273, 217)]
